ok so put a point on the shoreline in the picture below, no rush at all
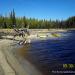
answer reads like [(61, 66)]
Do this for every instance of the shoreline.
[(36, 34), (37, 30), (14, 67)]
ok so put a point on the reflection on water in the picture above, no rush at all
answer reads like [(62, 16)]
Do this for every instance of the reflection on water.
[(50, 54)]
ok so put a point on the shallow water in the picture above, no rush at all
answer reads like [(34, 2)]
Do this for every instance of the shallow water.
[(50, 54)]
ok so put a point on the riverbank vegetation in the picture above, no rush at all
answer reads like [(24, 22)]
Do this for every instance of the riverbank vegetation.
[(12, 21)]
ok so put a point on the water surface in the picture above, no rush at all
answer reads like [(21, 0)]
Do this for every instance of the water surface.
[(50, 54)]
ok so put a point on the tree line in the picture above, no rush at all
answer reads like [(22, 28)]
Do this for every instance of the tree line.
[(12, 21)]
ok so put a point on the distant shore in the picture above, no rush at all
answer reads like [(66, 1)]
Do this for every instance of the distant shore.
[(34, 33), (38, 30)]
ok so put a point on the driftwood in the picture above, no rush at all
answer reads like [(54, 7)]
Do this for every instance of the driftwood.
[(21, 33)]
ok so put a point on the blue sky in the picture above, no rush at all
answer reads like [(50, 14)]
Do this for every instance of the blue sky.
[(41, 9)]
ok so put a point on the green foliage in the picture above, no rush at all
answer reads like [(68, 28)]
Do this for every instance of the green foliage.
[(22, 22), (71, 22)]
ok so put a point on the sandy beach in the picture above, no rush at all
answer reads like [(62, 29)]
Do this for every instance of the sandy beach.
[(14, 67)]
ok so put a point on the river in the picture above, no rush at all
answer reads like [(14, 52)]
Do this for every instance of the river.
[(52, 53)]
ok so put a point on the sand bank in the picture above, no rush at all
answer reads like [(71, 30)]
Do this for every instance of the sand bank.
[(11, 65)]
